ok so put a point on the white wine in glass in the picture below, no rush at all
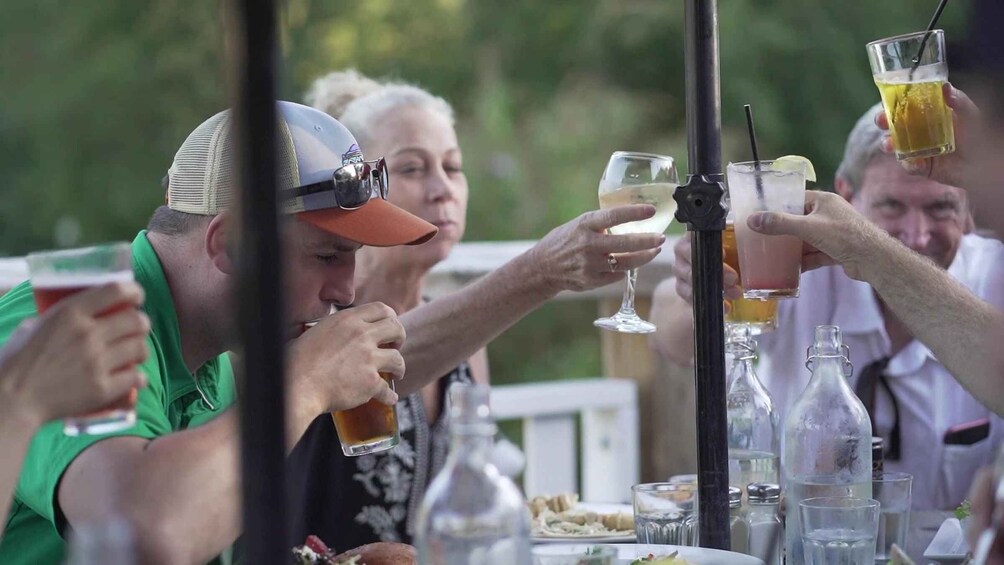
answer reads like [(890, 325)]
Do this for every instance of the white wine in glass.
[(637, 178)]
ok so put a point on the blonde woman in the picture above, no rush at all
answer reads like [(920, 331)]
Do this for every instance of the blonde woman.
[(354, 501)]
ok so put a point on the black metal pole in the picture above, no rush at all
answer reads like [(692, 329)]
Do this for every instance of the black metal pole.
[(262, 406), (700, 206)]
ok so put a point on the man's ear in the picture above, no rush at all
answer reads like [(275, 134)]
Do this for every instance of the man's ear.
[(217, 243), (843, 188)]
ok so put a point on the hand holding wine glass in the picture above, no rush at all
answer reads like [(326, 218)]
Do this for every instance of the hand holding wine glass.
[(637, 178)]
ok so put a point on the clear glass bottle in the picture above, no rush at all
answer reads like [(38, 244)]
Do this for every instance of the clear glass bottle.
[(471, 513), (766, 541), (738, 526), (827, 435), (753, 425)]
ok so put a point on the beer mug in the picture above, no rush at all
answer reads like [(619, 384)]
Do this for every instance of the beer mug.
[(56, 275), (368, 428)]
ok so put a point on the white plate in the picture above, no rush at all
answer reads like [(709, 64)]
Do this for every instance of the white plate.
[(626, 553), (949, 544), (602, 508)]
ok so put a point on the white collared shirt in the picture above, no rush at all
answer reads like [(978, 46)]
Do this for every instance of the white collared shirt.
[(930, 399)]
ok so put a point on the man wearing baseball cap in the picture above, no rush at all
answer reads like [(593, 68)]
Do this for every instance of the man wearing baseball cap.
[(174, 476)]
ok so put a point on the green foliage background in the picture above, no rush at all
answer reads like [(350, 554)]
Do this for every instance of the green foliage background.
[(95, 97)]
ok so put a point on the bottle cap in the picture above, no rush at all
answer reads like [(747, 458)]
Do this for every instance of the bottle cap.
[(828, 341), (735, 497), (469, 410), (763, 492), (740, 340)]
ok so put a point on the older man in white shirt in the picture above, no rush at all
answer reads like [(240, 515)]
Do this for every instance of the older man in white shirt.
[(917, 404)]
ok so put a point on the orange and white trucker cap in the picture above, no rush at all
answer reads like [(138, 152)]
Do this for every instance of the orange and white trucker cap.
[(311, 146)]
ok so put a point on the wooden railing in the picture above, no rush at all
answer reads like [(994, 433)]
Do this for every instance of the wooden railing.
[(606, 410)]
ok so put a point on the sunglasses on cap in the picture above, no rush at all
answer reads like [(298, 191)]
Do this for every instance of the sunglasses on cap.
[(350, 186)]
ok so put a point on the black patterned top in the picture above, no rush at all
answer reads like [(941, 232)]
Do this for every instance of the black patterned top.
[(352, 501)]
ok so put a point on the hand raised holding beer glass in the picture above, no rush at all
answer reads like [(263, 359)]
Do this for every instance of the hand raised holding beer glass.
[(56, 275), (637, 178)]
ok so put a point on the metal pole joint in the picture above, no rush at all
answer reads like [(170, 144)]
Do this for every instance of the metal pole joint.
[(699, 202)]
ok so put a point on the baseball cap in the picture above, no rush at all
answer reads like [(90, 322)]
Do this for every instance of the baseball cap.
[(311, 145)]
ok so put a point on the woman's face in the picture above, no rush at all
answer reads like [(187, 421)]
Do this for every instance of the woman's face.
[(426, 174)]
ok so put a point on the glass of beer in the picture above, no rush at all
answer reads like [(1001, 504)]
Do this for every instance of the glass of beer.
[(637, 178), (56, 275), (759, 315), (770, 265), (368, 428), (910, 71)]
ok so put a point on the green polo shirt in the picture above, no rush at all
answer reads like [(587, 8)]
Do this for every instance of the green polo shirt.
[(170, 402)]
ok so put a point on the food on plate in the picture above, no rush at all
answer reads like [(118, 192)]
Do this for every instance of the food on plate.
[(652, 559), (964, 510), (559, 516), (315, 552)]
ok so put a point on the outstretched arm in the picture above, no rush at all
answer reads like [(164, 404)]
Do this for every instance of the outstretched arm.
[(963, 331), (573, 256)]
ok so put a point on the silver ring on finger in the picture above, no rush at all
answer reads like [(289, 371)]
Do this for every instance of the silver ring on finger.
[(612, 261)]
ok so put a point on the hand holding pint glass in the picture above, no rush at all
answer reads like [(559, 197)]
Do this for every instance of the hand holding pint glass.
[(57, 275), (356, 362)]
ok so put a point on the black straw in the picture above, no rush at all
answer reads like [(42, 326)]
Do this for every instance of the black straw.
[(756, 154), (930, 29)]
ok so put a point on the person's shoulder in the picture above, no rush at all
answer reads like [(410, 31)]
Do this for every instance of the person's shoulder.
[(16, 305), (979, 255)]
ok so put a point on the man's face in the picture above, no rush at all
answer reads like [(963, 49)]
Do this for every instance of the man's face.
[(928, 217), (319, 272)]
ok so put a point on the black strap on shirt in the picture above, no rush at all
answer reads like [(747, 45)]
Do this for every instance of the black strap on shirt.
[(869, 381)]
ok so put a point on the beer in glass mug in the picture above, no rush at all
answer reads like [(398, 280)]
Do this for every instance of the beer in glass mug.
[(368, 428), (56, 275)]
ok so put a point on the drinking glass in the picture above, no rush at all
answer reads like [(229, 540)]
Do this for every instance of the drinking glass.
[(893, 491), (839, 530), (56, 275), (759, 315), (559, 554), (770, 265), (910, 72), (637, 178), (665, 513), (368, 428)]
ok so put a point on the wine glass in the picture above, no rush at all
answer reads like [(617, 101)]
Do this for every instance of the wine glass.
[(637, 178)]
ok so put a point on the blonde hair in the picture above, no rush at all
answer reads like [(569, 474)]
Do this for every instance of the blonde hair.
[(359, 101)]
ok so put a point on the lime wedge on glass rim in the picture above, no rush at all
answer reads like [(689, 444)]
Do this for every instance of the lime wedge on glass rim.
[(794, 163)]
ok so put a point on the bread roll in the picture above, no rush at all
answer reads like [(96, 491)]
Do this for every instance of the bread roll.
[(382, 553)]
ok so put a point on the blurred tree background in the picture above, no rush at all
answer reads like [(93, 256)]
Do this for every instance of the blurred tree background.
[(97, 96)]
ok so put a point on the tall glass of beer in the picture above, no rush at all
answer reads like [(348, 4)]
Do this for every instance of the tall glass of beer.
[(770, 265), (910, 72), (56, 275), (369, 428)]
